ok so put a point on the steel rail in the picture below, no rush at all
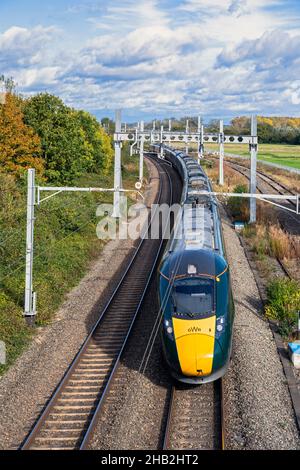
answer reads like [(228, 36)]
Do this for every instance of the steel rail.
[(186, 428), (98, 378), (268, 180), (87, 438)]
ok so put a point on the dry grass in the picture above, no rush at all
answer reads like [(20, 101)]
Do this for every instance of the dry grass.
[(266, 237), (290, 180), (231, 178), (273, 241)]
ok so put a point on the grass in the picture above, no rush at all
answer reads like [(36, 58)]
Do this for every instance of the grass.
[(268, 241), (283, 303), (65, 243), (286, 155), (271, 240)]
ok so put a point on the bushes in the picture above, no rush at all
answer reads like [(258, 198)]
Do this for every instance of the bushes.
[(13, 330), (283, 303), (239, 206)]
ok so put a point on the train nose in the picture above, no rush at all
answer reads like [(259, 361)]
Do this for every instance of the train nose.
[(196, 353), (195, 342)]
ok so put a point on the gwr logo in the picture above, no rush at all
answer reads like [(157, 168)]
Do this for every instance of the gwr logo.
[(194, 329)]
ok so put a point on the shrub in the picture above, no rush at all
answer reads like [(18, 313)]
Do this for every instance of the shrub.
[(283, 303), (239, 206)]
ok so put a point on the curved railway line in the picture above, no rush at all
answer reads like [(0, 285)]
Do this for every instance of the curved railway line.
[(273, 183), (195, 418), (70, 416), (288, 220)]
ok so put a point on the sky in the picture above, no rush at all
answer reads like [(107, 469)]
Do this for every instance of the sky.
[(216, 58)]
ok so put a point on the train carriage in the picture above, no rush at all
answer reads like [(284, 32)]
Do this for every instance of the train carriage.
[(194, 283)]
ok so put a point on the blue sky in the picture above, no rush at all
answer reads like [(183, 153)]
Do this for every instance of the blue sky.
[(219, 58)]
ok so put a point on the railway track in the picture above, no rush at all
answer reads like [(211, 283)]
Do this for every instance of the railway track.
[(195, 418), (288, 220), (274, 184), (71, 414)]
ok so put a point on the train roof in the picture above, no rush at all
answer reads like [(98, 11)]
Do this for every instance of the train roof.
[(198, 227), (183, 264)]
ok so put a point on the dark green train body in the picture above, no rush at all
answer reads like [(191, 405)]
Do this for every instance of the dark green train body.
[(194, 283)]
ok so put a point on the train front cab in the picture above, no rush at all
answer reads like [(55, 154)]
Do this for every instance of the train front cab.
[(197, 322)]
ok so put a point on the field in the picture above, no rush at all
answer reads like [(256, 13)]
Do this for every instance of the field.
[(286, 155)]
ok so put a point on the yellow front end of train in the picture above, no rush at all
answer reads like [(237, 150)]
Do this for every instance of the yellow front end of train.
[(195, 341)]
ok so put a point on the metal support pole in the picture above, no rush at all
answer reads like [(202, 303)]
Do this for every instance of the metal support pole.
[(202, 142), (170, 128), (199, 131), (134, 143), (141, 172), (186, 142), (117, 168), (30, 296), (161, 142), (221, 154), (253, 151)]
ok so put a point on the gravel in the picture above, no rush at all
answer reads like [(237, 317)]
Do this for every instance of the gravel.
[(258, 408), (29, 383), (134, 416)]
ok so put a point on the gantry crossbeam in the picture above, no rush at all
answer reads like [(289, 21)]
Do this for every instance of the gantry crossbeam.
[(167, 136)]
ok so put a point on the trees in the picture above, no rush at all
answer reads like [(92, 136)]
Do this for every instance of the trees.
[(99, 143), (108, 125), (64, 148), (271, 130), (72, 141), (20, 147)]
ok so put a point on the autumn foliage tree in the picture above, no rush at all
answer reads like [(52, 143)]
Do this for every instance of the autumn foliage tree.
[(271, 130), (20, 147)]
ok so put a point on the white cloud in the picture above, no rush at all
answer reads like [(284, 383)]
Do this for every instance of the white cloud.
[(270, 49), (38, 77), (22, 46), (216, 56)]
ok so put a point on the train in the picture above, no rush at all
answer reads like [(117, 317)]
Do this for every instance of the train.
[(194, 287)]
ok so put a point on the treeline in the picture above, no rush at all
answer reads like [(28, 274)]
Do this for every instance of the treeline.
[(273, 130), (60, 142)]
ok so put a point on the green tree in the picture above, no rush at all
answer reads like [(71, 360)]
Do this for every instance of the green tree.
[(64, 147), (99, 143), (108, 125)]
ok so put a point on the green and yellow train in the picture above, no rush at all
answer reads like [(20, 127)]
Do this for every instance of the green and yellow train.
[(194, 283)]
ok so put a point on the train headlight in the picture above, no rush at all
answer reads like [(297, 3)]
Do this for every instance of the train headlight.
[(220, 327), (169, 329)]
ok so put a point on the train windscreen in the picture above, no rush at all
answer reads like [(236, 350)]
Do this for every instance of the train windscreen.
[(193, 298)]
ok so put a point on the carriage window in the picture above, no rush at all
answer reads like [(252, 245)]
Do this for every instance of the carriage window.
[(193, 298)]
